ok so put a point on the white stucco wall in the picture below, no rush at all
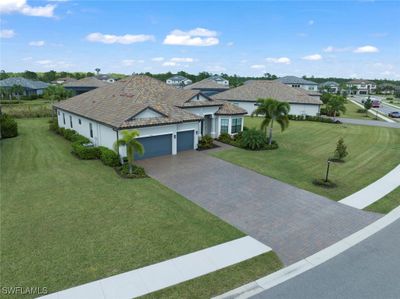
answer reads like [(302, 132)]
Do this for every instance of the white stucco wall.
[(148, 113)]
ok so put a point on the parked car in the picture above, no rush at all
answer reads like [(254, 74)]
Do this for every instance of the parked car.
[(376, 104), (394, 114)]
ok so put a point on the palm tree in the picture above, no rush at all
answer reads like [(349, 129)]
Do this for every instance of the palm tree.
[(132, 145), (18, 90), (272, 110), (336, 104)]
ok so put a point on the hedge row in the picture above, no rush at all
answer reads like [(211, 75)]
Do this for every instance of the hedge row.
[(311, 118), (82, 149)]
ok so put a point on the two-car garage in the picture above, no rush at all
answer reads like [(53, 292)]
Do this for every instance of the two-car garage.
[(161, 145)]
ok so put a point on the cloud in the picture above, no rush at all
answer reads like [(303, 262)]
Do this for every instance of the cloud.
[(43, 62), (38, 43), (282, 60), (366, 49), (182, 59), (230, 44), (198, 37), (119, 39), (54, 64), (158, 59), (7, 33), (311, 22), (313, 57), (331, 49), (169, 63), (130, 62), (21, 6), (257, 66)]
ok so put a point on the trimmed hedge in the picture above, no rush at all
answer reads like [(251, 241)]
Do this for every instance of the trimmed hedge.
[(8, 126), (206, 142), (253, 139), (108, 157), (311, 118), (85, 152)]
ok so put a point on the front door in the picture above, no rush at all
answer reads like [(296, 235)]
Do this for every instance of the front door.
[(207, 125)]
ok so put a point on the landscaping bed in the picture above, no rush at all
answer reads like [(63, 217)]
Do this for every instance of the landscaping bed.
[(305, 147), (65, 221)]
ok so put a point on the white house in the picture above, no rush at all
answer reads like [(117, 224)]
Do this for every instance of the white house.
[(330, 86), (245, 96), (178, 81), (169, 120), (298, 83), (361, 86)]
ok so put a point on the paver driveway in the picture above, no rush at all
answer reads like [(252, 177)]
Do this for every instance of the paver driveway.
[(294, 222)]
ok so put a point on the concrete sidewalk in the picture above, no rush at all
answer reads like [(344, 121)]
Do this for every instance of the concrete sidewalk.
[(374, 191), (168, 273)]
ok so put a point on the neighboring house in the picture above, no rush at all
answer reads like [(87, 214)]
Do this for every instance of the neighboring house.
[(169, 120), (210, 86), (361, 87), (105, 78), (330, 86), (178, 81), (62, 81), (31, 87), (245, 96), (298, 83), (85, 85)]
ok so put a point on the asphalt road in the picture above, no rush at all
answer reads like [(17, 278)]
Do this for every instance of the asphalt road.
[(370, 269), (384, 108)]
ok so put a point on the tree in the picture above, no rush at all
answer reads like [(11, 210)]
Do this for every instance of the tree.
[(272, 110), (56, 93), (336, 104), (49, 76), (3, 75), (4, 92), (367, 105), (325, 98), (17, 90), (341, 150), (30, 75), (132, 146)]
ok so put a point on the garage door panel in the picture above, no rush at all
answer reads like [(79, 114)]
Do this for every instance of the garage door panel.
[(155, 146), (185, 140)]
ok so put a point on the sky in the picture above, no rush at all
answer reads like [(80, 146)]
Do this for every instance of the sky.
[(353, 39)]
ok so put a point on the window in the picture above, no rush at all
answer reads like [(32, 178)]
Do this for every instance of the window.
[(79, 120), (70, 121), (91, 130), (236, 125), (224, 125), (64, 118)]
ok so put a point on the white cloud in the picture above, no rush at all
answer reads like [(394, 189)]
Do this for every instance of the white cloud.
[(54, 64), (43, 62), (311, 22), (169, 63), (158, 59), (198, 37), (366, 49), (38, 43), (182, 59), (230, 44), (331, 49), (283, 60), (7, 33), (119, 39), (313, 57), (130, 62), (257, 66), (21, 6)]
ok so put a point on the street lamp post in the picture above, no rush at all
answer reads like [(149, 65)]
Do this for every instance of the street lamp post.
[(327, 171)]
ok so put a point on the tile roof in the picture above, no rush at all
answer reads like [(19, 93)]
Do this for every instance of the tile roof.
[(87, 82), (294, 80), (115, 104), (178, 78), (230, 109), (267, 89), (329, 83), (358, 81), (30, 84)]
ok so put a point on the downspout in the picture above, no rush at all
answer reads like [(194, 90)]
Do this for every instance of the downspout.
[(119, 156)]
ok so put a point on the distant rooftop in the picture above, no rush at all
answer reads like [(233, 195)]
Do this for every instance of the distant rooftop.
[(294, 80), (27, 83), (87, 82)]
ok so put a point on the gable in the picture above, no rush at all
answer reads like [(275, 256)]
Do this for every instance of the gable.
[(199, 98), (147, 113)]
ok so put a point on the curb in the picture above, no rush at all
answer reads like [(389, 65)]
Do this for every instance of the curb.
[(312, 261)]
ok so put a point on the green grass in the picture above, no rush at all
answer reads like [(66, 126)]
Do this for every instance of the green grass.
[(387, 203), (351, 112), (65, 221), (305, 147), (34, 108), (224, 280)]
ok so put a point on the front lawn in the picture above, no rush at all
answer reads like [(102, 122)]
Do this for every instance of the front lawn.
[(65, 221), (305, 147), (387, 203), (351, 112)]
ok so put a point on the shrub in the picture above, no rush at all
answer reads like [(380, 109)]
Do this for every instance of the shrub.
[(53, 126), (253, 139), (361, 110), (108, 157), (322, 111), (225, 138), (70, 134), (272, 146), (8, 126), (341, 150), (137, 171), (85, 152), (206, 142), (322, 183)]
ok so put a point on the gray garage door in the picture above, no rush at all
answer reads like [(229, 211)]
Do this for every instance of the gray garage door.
[(155, 146), (185, 141)]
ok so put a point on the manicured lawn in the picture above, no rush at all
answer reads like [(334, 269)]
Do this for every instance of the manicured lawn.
[(351, 112), (224, 280), (306, 146), (65, 221), (386, 204)]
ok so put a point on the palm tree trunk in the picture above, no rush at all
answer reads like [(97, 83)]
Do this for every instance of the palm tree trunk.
[(270, 133)]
